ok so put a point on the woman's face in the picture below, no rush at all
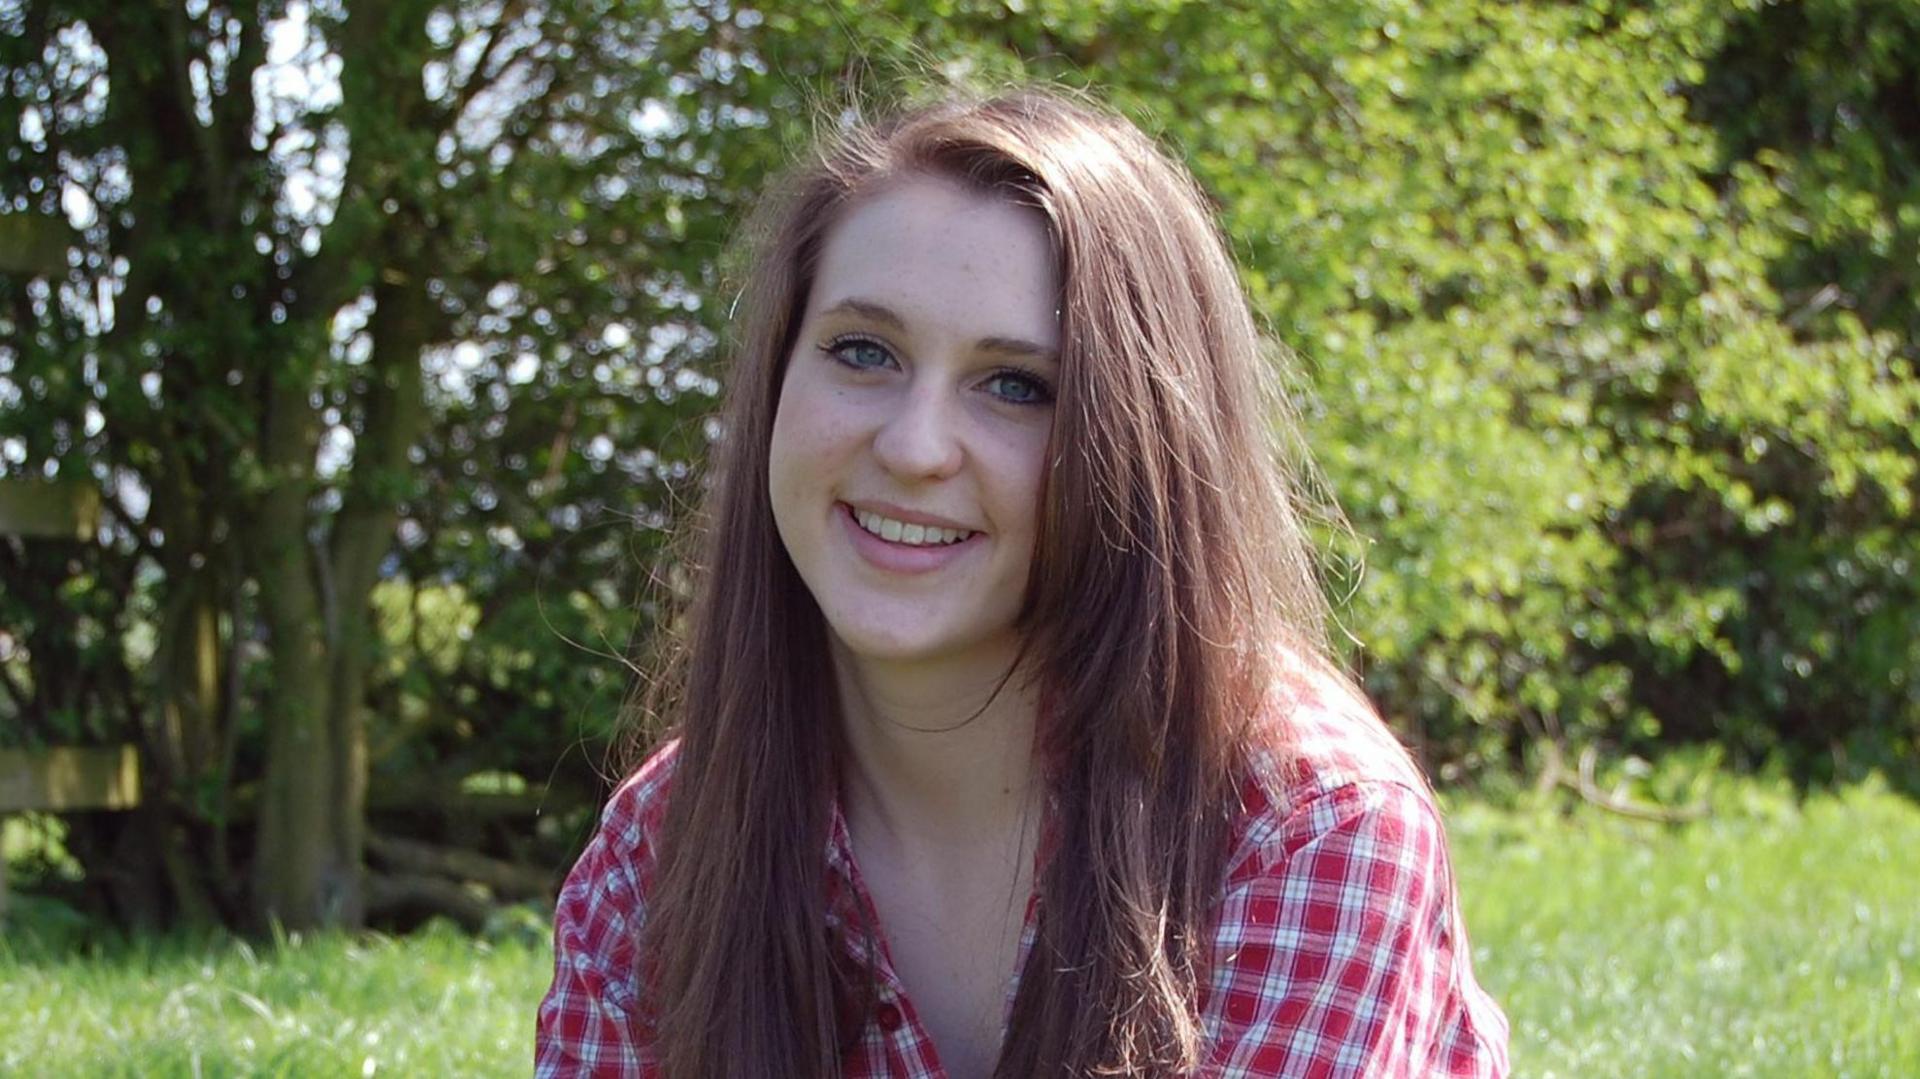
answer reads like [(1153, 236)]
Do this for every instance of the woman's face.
[(908, 445)]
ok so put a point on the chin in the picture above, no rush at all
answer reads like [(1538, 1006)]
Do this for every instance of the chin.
[(888, 647), (893, 643)]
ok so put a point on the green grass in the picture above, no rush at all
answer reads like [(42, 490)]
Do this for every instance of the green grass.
[(1777, 939), (436, 1003)]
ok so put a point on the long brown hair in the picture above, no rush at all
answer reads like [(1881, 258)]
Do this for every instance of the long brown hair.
[(1170, 569)]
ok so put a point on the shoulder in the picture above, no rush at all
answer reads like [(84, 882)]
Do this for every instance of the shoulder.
[(1338, 946), (631, 820), (608, 885), (625, 847), (1322, 755), (587, 1018), (603, 903)]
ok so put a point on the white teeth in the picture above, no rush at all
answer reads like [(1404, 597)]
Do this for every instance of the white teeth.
[(911, 535)]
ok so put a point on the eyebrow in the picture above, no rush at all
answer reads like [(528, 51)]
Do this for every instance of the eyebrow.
[(886, 316)]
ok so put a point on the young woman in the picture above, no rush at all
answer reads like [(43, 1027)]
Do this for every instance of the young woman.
[(1006, 741)]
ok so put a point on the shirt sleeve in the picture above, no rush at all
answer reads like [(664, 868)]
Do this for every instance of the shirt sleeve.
[(586, 1022), (1337, 956)]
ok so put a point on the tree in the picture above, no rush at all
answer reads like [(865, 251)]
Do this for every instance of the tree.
[(1547, 275), (297, 236), (386, 334)]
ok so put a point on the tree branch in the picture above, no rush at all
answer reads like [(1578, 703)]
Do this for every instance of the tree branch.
[(22, 705), (116, 504), (325, 585), (1555, 774), (476, 80), (508, 879), (535, 109), (204, 138), (237, 106), (397, 893)]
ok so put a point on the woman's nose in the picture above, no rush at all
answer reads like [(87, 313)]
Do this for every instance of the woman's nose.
[(920, 437)]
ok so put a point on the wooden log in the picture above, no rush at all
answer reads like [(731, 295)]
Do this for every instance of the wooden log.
[(64, 778), (32, 243), (432, 800), (507, 879), (450, 801), (390, 894), (64, 510)]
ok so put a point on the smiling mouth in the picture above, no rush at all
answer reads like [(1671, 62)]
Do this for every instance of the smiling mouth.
[(909, 535)]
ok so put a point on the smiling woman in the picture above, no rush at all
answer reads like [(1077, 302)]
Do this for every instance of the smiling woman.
[(907, 406), (1005, 740)]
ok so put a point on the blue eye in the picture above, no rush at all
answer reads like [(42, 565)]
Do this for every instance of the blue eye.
[(1019, 388), (859, 353)]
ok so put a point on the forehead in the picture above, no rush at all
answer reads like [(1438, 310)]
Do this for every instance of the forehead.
[(944, 257)]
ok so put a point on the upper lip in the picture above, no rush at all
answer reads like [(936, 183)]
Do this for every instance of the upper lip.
[(910, 517)]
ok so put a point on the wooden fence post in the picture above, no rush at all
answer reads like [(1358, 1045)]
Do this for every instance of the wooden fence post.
[(59, 778)]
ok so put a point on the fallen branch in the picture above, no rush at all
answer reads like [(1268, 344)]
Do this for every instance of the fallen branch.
[(436, 800), (510, 880), (1592, 794), (1554, 774), (392, 893)]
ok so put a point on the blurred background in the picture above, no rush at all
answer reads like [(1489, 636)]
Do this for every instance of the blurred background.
[(355, 366)]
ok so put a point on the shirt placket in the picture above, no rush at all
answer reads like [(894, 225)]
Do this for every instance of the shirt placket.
[(853, 917), (903, 1048)]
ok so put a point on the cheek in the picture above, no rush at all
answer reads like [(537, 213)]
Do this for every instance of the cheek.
[(1018, 470), (807, 448), (783, 451), (804, 440)]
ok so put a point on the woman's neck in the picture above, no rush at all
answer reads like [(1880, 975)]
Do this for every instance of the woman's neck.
[(939, 753)]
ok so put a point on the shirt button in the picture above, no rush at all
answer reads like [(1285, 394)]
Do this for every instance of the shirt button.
[(889, 1017)]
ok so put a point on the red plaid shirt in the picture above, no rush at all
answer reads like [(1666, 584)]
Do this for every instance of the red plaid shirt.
[(1338, 951)]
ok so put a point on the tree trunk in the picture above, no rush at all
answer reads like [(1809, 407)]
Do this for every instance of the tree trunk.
[(315, 601), (316, 606), (187, 662), (395, 411), (302, 874)]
